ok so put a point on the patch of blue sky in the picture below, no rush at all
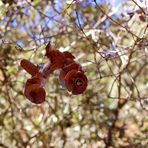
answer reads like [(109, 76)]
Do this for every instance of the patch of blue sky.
[(49, 11), (47, 22), (58, 5), (14, 22), (26, 10), (33, 35), (92, 2), (83, 4), (36, 36), (19, 42), (37, 18), (98, 1), (113, 2), (52, 17), (86, 3), (50, 21), (26, 29), (107, 23), (22, 27), (116, 4), (79, 20)]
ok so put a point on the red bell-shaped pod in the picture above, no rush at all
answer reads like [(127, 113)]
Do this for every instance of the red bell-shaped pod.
[(35, 93), (75, 81)]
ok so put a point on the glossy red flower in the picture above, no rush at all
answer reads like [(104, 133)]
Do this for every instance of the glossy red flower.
[(35, 93), (34, 90), (75, 81)]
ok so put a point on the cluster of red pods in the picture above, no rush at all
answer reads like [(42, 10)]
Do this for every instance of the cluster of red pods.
[(71, 75)]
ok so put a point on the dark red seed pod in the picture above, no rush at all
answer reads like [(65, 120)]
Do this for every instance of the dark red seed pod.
[(75, 81), (35, 93)]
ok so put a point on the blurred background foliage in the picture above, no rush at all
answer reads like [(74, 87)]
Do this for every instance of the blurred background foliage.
[(110, 40)]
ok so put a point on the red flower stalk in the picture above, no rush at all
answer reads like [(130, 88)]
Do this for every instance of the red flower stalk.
[(29, 67)]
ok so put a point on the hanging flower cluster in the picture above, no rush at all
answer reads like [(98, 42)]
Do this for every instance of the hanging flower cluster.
[(71, 75)]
